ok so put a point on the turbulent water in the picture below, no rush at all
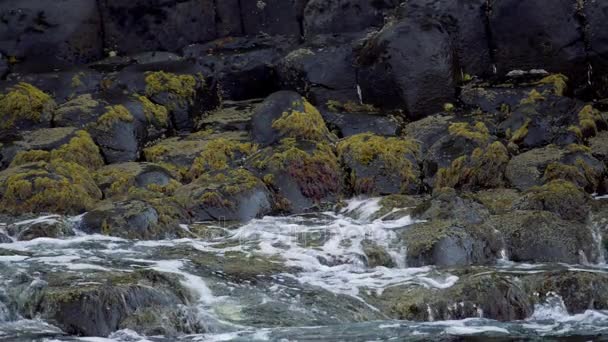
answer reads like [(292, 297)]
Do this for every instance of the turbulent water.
[(324, 278)]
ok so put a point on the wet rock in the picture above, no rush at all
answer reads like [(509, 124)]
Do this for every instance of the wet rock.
[(560, 197), (527, 35), (106, 301), (599, 147), (68, 32), (58, 187), (580, 291), (574, 164), (131, 219), (379, 165), (497, 201), (408, 65), (51, 227), (428, 130), (540, 236), (466, 22), (233, 195), (376, 255), (23, 106), (116, 133), (340, 16), (446, 204), (3, 65), (450, 244), (79, 111), (349, 124), (5, 238), (234, 118), (45, 139), (286, 114), (594, 13), (303, 175), (493, 295), (119, 179), (139, 26)]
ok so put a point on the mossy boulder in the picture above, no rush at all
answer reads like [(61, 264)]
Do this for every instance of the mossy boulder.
[(57, 186), (24, 106), (376, 255), (79, 111), (131, 219), (228, 195), (560, 197), (541, 236), (447, 204), (116, 132), (286, 114), (484, 168), (450, 244), (302, 174), (220, 154), (237, 118), (428, 130), (497, 201), (119, 180), (53, 227), (490, 295), (178, 93), (380, 165), (97, 304), (599, 147)]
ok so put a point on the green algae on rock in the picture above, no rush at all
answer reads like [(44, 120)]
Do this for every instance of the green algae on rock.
[(219, 154), (24, 103), (307, 124)]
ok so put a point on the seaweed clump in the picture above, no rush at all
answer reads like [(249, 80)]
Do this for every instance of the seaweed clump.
[(23, 102), (307, 124)]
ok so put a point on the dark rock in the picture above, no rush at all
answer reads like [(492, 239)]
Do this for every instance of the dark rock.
[(599, 147), (376, 255), (428, 130), (100, 307), (51, 227), (45, 139), (273, 17), (466, 22), (446, 204), (237, 117), (540, 236), (130, 220), (137, 26), (560, 197), (528, 35), (339, 16), (380, 165), (304, 175), (79, 111), (117, 133), (65, 33), (234, 195), (117, 178), (526, 170), (496, 295), (286, 114), (5, 238), (25, 107), (349, 124), (597, 38), (450, 244), (408, 65), (3, 65)]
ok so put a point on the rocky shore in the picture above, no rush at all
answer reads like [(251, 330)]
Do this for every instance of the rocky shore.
[(483, 120)]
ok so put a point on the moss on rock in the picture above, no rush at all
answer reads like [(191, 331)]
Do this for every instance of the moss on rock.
[(23, 102), (219, 154), (307, 124), (478, 132), (183, 87), (114, 114), (81, 150), (561, 197), (156, 115)]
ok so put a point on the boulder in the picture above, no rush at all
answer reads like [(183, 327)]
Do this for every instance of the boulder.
[(340, 16), (4, 66), (527, 35), (40, 140), (447, 204), (303, 175), (118, 134), (560, 197), (594, 13), (346, 124), (286, 114), (380, 165), (79, 111), (273, 17), (118, 179), (131, 219), (408, 65), (137, 26), (230, 195), (23, 106), (67, 32), (428, 130), (54, 227)]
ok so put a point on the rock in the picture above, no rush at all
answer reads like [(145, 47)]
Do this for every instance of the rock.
[(580, 291), (5, 238), (69, 32), (596, 37), (273, 17), (132, 219), (540, 236), (495, 295), (340, 16), (409, 66), (24, 106), (286, 114), (53, 226), (497, 201), (321, 71), (119, 179), (304, 175), (140, 25), (574, 164), (466, 22), (58, 187), (528, 35), (116, 133), (450, 244), (428, 130), (79, 111), (4, 66), (446, 204), (349, 124), (376, 255), (379, 165), (599, 147), (233, 195), (234, 118), (40, 140), (106, 301), (560, 197)]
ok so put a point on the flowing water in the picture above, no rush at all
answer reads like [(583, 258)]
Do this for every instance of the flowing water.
[(320, 292)]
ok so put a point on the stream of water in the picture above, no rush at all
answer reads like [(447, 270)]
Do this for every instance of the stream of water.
[(320, 293)]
